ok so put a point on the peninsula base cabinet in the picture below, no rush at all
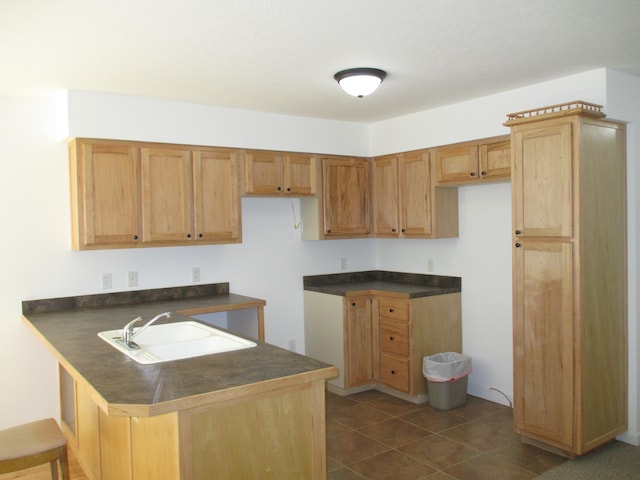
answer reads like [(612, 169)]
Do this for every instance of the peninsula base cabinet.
[(268, 431), (378, 341), (569, 273)]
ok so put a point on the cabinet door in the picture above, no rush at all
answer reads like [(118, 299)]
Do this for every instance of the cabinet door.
[(495, 160), (415, 194), (216, 196), (544, 340), (456, 164), (167, 195), (358, 335), (542, 180), (299, 174), (263, 173), (345, 191), (105, 190), (385, 196)]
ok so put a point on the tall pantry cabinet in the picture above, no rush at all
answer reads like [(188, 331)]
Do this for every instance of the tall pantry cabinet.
[(569, 277)]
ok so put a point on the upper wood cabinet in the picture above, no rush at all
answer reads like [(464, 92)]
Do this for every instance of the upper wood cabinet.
[(569, 274), (105, 194), (406, 204), (167, 195), (133, 194), (470, 162), (274, 173), (402, 195), (345, 197)]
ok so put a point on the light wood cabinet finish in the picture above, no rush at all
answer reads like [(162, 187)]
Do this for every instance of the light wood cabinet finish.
[(270, 173), (358, 341), (105, 198), (134, 194), (569, 273), (406, 204), (471, 162), (167, 195), (209, 440), (342, 209), (345, 192), (401, 332)]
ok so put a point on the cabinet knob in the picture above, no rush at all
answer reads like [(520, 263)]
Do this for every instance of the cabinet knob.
[(403, 230), (393, 230), (518, 232), (188, 235), (200, 235), (135, 237), (328, 231), (392, 338), (279, 188), (483, 173), (473, 174), (518, 244), (391, 310), (353, 304), (393, 372), (288, 189)]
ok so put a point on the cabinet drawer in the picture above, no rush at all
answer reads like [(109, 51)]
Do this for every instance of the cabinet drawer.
[(394, 371), (394, 336), (394, 308)]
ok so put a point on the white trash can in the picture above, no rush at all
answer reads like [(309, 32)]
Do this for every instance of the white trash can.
[(447, 377)]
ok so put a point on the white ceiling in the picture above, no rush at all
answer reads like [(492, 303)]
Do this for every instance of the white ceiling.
[(280, 55)]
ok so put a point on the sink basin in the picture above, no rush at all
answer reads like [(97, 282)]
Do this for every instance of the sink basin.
[(175, 341)]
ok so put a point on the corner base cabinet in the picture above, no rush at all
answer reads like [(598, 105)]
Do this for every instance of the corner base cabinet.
[(569, 274), (378, 339)]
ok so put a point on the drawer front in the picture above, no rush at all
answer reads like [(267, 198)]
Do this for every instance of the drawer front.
[(394, 372), (394, 308), (394, 336)]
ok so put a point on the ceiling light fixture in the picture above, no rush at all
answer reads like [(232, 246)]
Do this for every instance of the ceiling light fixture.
[(360, 82)]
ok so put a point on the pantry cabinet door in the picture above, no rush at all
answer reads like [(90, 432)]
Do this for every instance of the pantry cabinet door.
[(543, 181), (544, 340)]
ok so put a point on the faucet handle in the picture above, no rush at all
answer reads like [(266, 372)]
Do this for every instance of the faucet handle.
[(127, 331)]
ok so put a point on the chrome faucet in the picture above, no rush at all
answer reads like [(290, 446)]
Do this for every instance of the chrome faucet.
[(128, 333)]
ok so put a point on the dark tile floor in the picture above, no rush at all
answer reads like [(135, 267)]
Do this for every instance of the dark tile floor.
[(372, 435)]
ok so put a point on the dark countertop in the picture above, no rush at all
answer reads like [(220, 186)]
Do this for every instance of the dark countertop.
[(125, 387), (412, 285)]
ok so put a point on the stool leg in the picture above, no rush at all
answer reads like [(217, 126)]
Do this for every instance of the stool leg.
[(54, 469), (64, 463)]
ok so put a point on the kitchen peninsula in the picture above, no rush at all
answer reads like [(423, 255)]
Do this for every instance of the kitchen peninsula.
[(252, 413)]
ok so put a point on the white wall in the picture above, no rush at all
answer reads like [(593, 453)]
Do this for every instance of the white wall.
[(272, 259)]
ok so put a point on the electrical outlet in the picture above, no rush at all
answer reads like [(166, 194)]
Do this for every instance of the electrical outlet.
[(429, 264), (106, 281), (195, 274), (343, 263), (132, 279)]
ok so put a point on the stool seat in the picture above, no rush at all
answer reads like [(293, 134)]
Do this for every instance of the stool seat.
[(33, 444)]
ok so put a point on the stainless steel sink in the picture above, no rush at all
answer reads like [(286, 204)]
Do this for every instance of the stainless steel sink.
[(175, 341)]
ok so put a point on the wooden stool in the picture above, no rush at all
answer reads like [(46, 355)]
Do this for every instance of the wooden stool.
[(33, 444)]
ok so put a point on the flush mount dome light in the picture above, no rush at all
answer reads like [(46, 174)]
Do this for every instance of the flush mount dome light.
[(360, 82)]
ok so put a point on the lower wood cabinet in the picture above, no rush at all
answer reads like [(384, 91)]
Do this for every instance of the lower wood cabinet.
[(275, 430), (378, 340)]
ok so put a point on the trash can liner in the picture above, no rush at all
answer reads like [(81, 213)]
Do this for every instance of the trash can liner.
[(446, 367)]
